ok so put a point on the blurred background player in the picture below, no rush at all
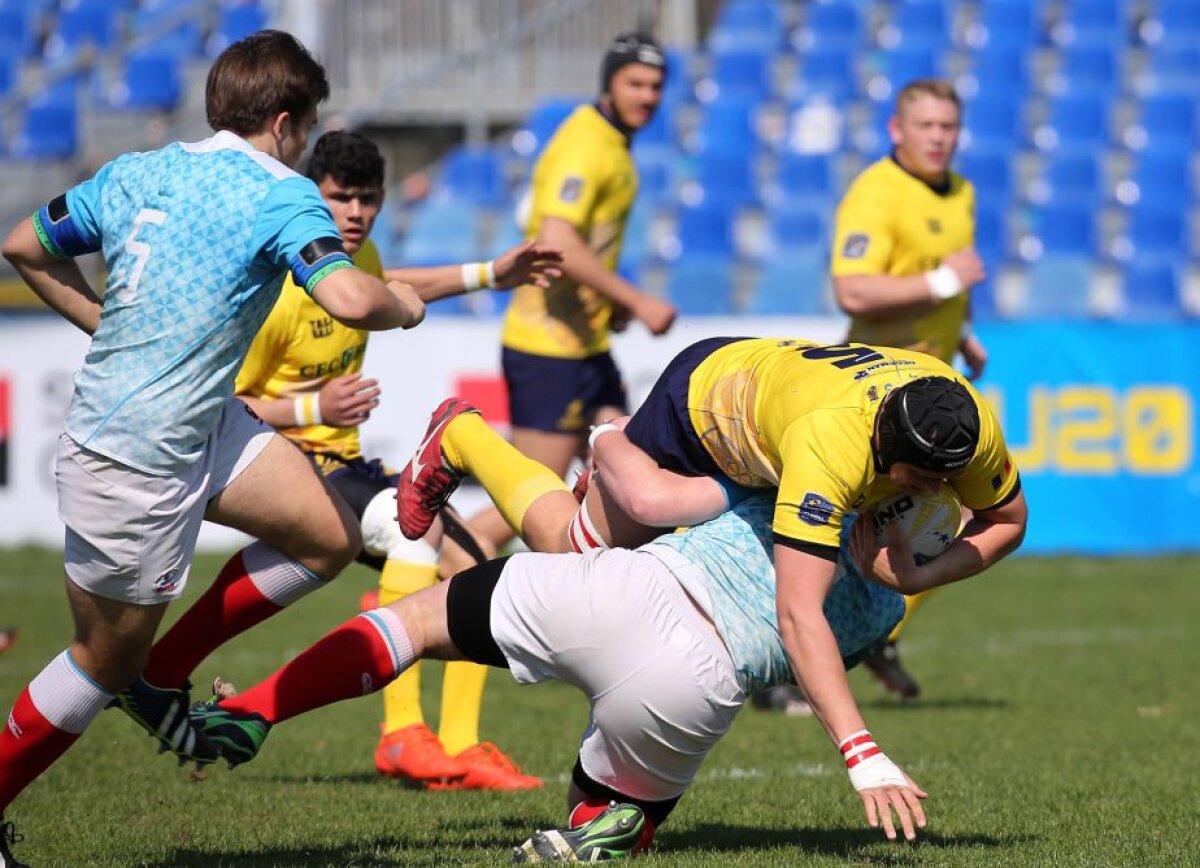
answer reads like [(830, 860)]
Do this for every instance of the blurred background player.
[(8, 637), (197, 239), (904, 263), (303, 376), (561, 378)]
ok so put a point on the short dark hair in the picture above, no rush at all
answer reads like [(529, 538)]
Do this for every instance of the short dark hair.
[(349, 158), (259, 77)]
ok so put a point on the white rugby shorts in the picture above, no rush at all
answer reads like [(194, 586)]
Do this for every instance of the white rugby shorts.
[(617, 625), (130, 535)]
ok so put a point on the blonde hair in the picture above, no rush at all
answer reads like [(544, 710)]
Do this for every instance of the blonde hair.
[(934, 87)]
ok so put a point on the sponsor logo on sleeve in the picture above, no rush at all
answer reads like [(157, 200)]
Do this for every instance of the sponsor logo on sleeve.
[(855, 246), (571, 188), (815, 509)]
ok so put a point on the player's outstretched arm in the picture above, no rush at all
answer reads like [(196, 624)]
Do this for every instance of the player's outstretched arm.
[(581, 264), (803, 580), (645, 492), (57, 282), (886, 295), (527, 262), (990, 536), (359, 300)]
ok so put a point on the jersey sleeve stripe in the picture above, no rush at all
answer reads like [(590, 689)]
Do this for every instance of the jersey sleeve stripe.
[(828, 553)]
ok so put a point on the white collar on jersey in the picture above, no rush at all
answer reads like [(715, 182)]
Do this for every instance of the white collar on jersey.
[(224, 140)]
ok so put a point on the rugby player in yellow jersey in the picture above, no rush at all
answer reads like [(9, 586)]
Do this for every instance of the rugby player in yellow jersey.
[(303, 376), (833, 428), (903, 262), (561, 378)]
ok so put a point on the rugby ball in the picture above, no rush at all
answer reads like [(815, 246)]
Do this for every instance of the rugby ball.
[(929, 522)]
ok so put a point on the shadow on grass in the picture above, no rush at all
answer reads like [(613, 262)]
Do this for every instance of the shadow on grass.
[(458, 841), (845, 843), (947, 703)]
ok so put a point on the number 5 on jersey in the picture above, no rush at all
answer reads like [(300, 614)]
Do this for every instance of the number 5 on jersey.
[(140, 251)]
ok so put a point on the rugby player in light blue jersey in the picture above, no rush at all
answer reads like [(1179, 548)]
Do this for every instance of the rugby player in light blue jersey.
[(197, 239), (666, 641)]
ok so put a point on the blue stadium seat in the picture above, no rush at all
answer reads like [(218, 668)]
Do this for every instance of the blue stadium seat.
[(10, 67), (637, 244), (1070, 179), (185, 39), (702, 285), (92, 24), (990, 172), (678, 87), (798, 228), (748, 25), (1155, 230), (1059, 286), (1152, 289), (657, 139), (1091, 22), (18, 31), (726, 178), (792, 286), (992, 124), (235, 22), (149, 80), (991, 233), (1000, 72), (705, 229), (1174, 66), (442, 231), (897, 68), (1168, 121), (1174, 23), (48, 132), (1078, 121), (807, 176), (824, 71), (475, 174), (918, 24), (1089, 66), (1164, 179), (656, 179), (1065, 230), (1014, 24), (727, 127), (739, 74), (834, 27)]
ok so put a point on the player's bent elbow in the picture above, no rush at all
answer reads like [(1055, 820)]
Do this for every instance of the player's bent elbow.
[(850, 297)]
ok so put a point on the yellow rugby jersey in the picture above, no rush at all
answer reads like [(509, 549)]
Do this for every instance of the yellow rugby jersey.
[(585, 176), (893, 223), (299, 348), (800, 415)]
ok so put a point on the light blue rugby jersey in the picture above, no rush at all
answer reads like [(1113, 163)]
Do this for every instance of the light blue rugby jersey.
[(197, 238), (728, 568)]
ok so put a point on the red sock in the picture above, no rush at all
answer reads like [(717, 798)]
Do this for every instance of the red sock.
[(29, 744), (590, 809), (359, 657), (232, 605)]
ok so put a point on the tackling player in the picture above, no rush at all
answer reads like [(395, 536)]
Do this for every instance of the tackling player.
[(834, 428), (679, 632), (303, 376), (904, 261), (197, 238), (560, 375)]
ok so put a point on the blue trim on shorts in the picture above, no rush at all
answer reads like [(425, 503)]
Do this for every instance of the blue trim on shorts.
[(662, 428), (560, 395)]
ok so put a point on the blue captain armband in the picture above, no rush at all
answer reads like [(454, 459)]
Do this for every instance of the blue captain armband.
[(316, 260), (58, 233)]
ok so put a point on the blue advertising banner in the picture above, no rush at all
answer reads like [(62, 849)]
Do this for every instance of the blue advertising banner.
[(1101, 420)]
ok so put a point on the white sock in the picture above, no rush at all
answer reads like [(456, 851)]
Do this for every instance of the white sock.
[(280, 579), (66, 696)]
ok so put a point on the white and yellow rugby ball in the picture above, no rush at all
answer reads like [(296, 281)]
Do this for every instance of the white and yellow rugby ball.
[(928, 522)]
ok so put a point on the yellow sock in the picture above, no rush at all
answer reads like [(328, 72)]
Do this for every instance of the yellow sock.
[(402, 698), (512, 480), (462, 702), (911, 604)]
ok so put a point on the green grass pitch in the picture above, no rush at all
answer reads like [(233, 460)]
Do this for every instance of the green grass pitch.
[(1058, 727)]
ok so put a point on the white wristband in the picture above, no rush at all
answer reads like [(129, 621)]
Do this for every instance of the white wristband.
[(943, 282), (307, 410), (598, 430), (478, 275)]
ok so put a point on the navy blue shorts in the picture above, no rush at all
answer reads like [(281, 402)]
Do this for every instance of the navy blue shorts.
[(560, 395), (661, 427)]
